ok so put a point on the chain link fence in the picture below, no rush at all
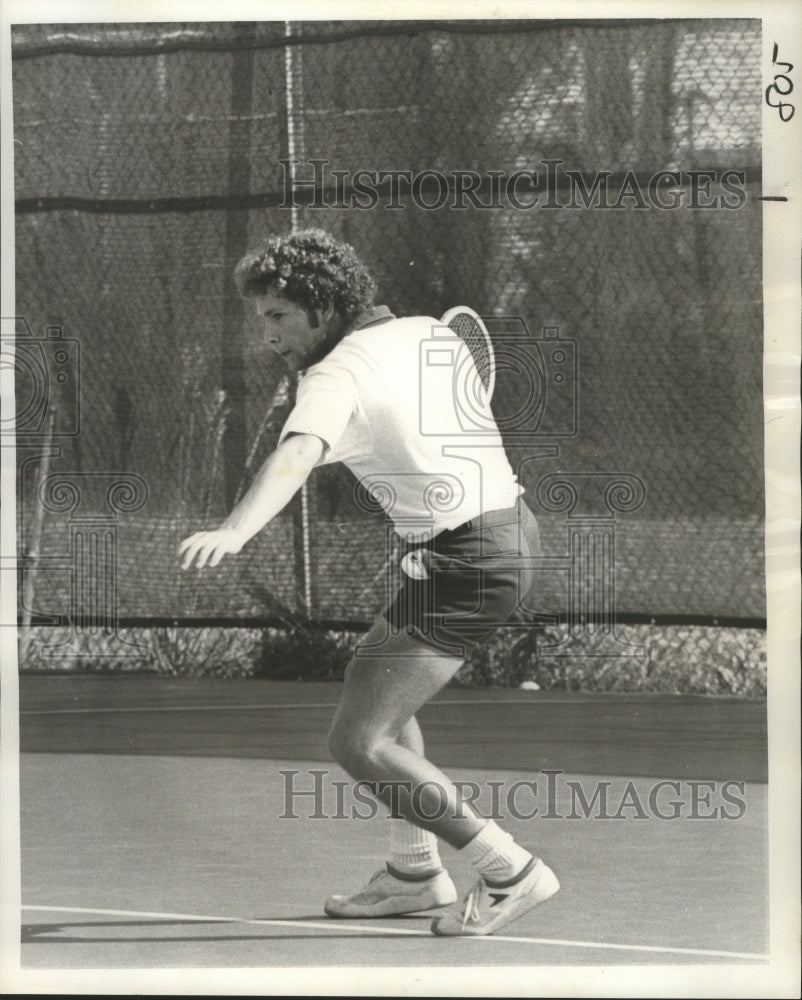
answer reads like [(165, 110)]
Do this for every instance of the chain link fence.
[(599, 179)]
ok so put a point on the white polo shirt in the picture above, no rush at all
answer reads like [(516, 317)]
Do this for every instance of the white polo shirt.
[(386, 401)]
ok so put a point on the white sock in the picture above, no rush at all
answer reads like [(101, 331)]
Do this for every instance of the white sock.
[(495, 854), (413, 851)]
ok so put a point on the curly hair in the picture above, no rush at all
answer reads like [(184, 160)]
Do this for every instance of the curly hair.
[(310, 268)]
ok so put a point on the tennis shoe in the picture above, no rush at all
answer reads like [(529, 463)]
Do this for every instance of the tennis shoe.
[(390, 893), (492, 905)]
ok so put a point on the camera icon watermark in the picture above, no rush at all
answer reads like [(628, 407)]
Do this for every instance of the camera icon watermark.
[(540, 377), (47, 375)]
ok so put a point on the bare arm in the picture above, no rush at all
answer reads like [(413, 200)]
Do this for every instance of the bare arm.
[(279, 479)]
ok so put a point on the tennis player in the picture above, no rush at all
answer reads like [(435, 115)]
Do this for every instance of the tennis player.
[(456, 505)]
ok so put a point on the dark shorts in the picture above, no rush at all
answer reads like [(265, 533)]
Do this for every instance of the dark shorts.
[(478, 575)]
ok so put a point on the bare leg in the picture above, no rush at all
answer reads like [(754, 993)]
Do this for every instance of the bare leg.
[(411, 737), (375, 737)]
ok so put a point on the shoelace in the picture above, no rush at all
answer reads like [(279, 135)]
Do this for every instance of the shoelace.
[(471, 906)]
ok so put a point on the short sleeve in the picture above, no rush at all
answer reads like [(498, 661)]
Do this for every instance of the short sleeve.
[(324, 406)]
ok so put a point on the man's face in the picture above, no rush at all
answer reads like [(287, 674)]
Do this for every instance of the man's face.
[(296, 334)]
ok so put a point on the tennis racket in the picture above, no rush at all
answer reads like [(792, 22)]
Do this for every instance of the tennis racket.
[(470, 328)]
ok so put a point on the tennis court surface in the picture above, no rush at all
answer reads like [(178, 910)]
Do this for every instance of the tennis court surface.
[(164, 825)]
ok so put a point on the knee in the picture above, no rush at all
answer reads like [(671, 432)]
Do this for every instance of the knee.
[(357, 752)]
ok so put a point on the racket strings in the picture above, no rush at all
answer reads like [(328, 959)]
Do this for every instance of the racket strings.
[(470, 331)]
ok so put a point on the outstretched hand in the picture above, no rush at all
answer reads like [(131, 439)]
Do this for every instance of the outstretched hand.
[(209, 547)]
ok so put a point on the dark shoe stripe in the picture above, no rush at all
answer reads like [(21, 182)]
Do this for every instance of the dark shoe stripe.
[(407, 877), (515, 879)]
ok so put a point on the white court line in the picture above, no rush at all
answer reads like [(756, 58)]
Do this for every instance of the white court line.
[(233, 708), (343, 925)]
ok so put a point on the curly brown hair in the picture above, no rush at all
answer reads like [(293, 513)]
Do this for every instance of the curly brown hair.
[(310, 268)]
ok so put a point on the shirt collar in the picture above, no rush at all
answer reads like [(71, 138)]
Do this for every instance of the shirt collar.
[(372, 317)]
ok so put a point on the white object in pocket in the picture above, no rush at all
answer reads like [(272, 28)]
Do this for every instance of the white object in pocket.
[(414, 564)]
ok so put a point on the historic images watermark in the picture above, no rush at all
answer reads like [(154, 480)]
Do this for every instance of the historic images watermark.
[(316, 184), (47, 369), (547, 794)]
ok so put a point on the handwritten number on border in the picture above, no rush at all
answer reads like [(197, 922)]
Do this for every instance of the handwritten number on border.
[(781, 86)]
